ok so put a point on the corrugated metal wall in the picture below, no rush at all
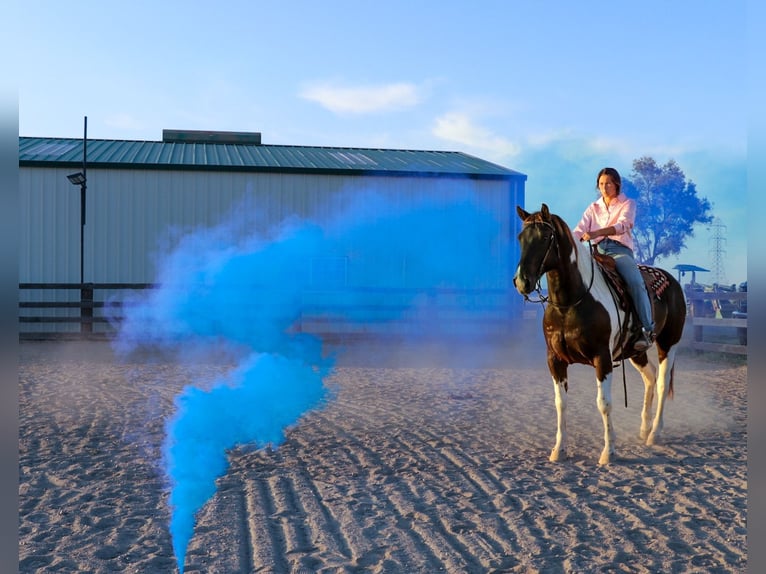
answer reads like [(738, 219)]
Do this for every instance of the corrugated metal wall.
[(130, 212)]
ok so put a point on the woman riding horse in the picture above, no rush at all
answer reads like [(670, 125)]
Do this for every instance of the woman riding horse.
[(608, 223), (584, 323)]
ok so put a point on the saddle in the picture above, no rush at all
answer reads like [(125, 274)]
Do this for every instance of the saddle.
[(656, 281)]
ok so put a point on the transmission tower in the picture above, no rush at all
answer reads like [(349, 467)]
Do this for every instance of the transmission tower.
[(718, 251)]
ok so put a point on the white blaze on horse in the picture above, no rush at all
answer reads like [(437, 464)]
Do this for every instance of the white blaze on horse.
[(585, 323)]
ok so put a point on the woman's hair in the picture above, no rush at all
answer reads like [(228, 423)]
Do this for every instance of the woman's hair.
[(614, 174)]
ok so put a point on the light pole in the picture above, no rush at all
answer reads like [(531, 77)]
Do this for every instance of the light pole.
[(81, 178)]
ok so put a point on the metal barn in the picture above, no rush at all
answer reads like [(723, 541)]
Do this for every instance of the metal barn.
[(139, 191)]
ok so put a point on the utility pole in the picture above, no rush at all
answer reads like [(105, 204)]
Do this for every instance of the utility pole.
[(718, 251), (86, 291)]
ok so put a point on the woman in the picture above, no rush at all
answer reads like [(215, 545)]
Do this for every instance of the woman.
[(608, 222)]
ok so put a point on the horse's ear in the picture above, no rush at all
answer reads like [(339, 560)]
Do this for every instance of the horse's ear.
[(522, 214), (545, 211)]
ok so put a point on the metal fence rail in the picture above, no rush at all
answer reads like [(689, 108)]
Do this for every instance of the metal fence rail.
[(55, 310), (718, 320), (48, 310)]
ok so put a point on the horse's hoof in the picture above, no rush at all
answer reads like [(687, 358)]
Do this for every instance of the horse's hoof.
[(557, 456), (652, 440), (606, 458)]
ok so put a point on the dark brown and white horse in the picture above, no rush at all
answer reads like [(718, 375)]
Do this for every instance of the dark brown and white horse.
[(583, 323)]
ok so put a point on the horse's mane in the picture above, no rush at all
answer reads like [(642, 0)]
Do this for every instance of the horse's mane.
[(563, 229), (581, 250)]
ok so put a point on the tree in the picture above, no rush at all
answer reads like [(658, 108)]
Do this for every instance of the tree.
[(667, 209)]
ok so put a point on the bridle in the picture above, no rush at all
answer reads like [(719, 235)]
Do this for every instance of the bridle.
[(543, 299)]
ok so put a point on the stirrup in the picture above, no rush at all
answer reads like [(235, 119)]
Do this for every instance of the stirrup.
[(644, 341)]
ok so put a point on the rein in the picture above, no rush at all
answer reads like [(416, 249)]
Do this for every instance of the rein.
[(619, 329), (542, 299)]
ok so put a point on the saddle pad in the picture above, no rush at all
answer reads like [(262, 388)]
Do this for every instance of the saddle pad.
[(656, 282)]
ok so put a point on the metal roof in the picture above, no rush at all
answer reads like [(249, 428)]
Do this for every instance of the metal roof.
[(216, 156), (684, 267)]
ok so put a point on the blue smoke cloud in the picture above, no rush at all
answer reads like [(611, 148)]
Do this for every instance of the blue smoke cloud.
[(230, 287)]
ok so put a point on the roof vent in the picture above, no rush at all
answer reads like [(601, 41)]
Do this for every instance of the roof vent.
[(202, 136)]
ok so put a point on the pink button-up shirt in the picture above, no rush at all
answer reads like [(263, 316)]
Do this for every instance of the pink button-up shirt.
[(621, 215)]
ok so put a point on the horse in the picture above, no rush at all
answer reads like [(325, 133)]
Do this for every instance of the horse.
[(584, 323)]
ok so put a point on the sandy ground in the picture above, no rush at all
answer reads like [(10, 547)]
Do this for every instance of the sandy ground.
[(428, 460)]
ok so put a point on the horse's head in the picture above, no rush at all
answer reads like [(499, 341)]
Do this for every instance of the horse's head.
[(539, 250)]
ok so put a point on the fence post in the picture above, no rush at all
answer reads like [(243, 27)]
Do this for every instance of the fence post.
[(697, 332), (86, 308), (742, 335)]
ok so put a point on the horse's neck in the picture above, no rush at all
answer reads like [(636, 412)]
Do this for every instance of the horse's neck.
[(569, 281)]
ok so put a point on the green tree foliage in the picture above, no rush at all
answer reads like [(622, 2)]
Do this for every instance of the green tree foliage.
[(667, 209)]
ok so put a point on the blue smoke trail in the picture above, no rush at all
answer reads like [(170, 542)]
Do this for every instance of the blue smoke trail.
[(227, 286), (264, 396)]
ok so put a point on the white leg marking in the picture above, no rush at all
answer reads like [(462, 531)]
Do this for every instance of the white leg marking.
[(559, 451), (649, 375), (663, 383), (604, 402)]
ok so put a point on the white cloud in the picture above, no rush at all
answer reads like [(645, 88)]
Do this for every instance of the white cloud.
[(364, 99), (459, 128)]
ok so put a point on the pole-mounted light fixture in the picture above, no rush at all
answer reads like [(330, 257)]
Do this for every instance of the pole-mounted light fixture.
[(76, 178)]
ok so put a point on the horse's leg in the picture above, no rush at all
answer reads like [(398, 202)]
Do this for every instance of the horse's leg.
[(667, 359), (648, 373), (559, 451), (559, 373), (604, 402)]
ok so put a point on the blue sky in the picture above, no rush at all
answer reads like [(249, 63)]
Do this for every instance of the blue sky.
[(554, 89)]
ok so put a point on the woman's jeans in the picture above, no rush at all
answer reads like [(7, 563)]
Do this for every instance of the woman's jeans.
[(628, 270)]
